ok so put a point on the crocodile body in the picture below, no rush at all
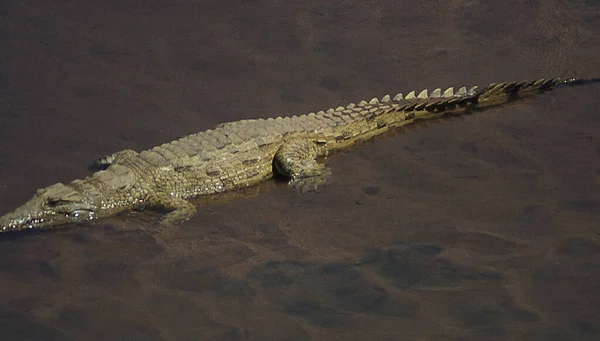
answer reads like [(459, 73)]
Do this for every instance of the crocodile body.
[(239, 154)]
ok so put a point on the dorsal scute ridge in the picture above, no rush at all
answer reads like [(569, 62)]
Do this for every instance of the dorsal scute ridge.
[(448, 92), (413, 95)]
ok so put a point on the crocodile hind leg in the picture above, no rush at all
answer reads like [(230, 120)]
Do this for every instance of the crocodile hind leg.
[(297, 159)]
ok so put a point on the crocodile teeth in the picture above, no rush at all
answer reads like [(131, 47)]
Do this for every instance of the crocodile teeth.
[(374, 101), (398, 97), (411, 95), (385, 99), (436, 93), (423, 94), (461, 92), (472, 91), (449, 92)]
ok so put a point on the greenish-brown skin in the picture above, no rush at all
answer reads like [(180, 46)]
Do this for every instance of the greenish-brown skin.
[(239, 154)]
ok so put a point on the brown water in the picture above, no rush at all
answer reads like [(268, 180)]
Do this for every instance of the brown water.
[(485, 227)]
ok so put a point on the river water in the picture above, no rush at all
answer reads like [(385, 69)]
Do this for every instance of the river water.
[(483, 227)]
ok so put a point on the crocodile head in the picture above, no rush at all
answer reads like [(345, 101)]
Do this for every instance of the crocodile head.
[(54, 205)]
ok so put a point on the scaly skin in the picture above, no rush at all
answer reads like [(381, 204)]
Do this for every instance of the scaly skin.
[(243, 153)]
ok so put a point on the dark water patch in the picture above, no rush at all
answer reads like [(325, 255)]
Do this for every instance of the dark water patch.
[(469, 147), (291, 94), (234, 334), (118, 329), (341, 286), (91, 91), (546, 333), (266, 232), (46, 269), (489, 333), (206, 280), (25, 269), (277, 274), (281, 332), (109, 273), (327, 289), (420, 266), (488, 313), (167, 301), (581, 206), (477, 242), (330, 83), (561, 285), (318, 314), (31, 260), (141, 240), (271, 233), (371, 190), (190, 316), (478, 316), (531, 213), (577, 247), (587, 329), (15, 326), (112, 319), (473, 19)]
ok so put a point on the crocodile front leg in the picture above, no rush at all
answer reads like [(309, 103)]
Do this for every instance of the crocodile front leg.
[(179, 209), (297, 159), (104, 162)]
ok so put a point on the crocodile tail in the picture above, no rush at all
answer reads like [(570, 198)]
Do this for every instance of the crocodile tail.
[(580, 81), (500, 93)]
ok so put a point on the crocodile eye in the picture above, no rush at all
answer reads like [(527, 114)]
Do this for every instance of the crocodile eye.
[(56, 202), (79, 214)]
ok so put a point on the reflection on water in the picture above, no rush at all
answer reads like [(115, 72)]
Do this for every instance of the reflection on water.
[(476, 228)]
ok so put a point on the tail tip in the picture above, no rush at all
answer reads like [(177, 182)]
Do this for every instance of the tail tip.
[(579, 81)]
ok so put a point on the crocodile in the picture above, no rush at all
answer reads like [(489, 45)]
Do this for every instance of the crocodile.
[(239, 154)]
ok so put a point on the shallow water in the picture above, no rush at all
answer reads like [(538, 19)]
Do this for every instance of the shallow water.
[(483, 227)]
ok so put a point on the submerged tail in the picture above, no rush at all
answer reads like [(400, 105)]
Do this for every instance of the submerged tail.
[(580, 81), (500, 93), (450, 102)]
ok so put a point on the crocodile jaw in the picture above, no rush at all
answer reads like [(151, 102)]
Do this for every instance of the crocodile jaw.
[(54, 205)]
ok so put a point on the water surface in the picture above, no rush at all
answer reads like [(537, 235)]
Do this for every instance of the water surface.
[(483, 227)]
